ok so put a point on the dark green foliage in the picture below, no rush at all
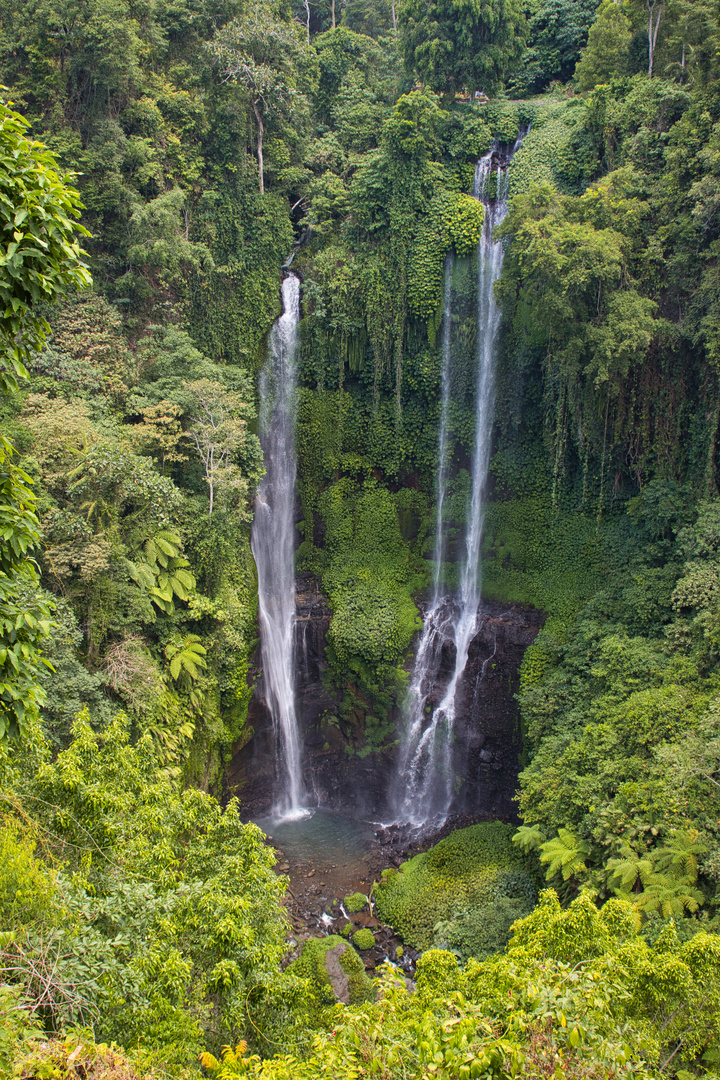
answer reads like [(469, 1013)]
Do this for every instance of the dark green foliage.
[(434, 895), (69, 686), (483, 930), (556, 33), (461, 46)]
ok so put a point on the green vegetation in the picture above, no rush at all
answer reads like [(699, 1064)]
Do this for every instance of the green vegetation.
[(460, 47), (335, 972), (464, 893), (363, 939), (355, 902), (127, 904), (208, 141), (579, 986)]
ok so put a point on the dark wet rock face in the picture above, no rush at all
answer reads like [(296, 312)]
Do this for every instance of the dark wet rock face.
[(487, 727), (487, 724)]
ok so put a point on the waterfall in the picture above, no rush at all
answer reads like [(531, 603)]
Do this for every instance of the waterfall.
[(425, 780), (273, 544), (414, 772)]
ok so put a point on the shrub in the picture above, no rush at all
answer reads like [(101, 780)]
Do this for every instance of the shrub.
[(472, 869), (480, 931)]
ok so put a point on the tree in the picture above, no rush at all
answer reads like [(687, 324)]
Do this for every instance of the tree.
[(163, 571), (630, 871), (40, 262), (564, 854), (608, 42), (24, 613), (691, 32), (42, 259), (557, 32), (261, 52), (181, 933), (160, 433), (187, 658), (454, 45), (655, 12), (218, 432)]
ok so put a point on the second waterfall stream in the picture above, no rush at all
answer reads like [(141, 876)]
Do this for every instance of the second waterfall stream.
[(273, 545), (425, 782)]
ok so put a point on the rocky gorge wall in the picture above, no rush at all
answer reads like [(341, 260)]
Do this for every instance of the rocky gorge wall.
[(338, 776)]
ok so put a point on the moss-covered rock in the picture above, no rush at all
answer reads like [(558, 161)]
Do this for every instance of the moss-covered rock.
[(334, 970), (363, 939), (355, 902), (436, 893)]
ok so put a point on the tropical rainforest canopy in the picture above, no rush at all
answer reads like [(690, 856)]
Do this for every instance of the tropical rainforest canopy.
[(158, 161)]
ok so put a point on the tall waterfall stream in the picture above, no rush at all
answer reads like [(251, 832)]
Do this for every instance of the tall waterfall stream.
[(425, 778), (273, 543)]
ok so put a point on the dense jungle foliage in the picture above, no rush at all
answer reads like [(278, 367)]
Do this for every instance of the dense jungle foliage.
[(200, 144)]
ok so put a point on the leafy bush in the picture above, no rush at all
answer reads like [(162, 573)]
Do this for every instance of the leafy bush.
[(454, 220), (369, 581), (159, 903), (579, 986), (470, 869), (480, 931)]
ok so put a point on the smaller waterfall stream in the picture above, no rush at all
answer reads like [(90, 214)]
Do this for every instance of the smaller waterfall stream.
[(425, 773), (273, 543), (415, 770)]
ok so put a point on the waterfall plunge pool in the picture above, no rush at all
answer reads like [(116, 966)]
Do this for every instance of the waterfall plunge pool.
[(323, 838)]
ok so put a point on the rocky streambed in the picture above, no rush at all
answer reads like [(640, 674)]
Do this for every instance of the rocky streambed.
[(324, 870)]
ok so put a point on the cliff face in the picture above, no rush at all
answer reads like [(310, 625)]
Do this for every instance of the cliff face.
[(487, 724), (487, 728)]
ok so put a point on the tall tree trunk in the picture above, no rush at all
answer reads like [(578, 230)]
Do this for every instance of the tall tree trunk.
[(653, 31), (307, 13), (394, 16), (261, 129), (332, 8)]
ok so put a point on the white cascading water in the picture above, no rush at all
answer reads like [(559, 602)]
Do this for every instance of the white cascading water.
[(413, 766), (273, 545), (425, 774)]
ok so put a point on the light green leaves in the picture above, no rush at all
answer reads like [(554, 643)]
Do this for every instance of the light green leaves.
[(24, 610), (187, 657), (162, 571), (528, 838), (40, 258), (565, 854)]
